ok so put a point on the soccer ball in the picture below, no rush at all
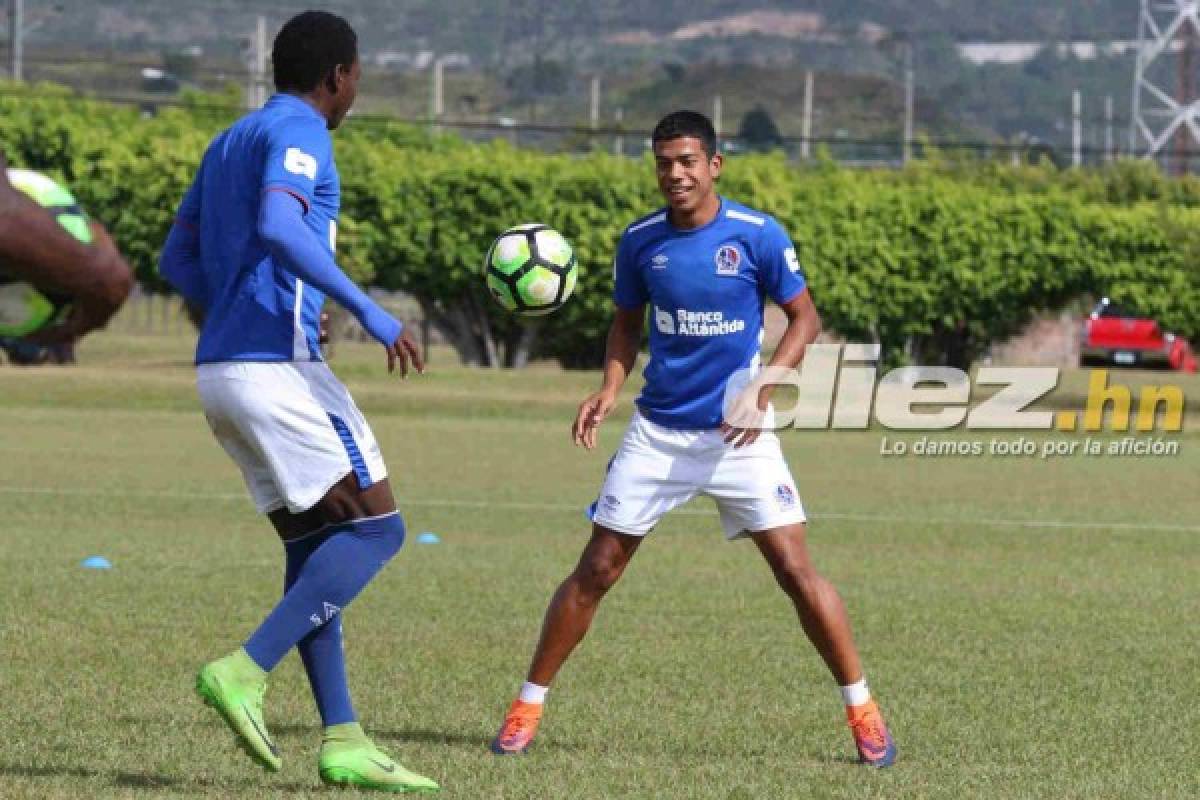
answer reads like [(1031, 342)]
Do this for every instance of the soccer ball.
[(530, 270), (24, 309)]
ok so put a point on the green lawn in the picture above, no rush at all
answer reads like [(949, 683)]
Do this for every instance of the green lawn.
[(1029, 625)]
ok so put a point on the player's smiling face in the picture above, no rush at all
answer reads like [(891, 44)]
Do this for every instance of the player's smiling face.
[(686, 177)]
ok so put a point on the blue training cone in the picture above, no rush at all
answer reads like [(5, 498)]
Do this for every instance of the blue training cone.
[(96, 562), (428, 537)]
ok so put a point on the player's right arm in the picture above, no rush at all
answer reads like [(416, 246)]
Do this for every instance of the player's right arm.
[(295, 157), (180, 263), (35, 248), (621, 349)]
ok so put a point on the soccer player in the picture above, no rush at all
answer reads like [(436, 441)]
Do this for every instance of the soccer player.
[(705, 265), (252, 250), (35, 248)]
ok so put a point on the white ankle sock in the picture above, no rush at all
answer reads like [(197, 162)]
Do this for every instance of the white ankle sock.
[(532, 693), (856, 693)]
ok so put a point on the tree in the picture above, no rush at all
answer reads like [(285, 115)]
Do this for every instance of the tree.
[(758, 130)]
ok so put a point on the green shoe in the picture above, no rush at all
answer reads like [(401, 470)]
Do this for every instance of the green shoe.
[(349, 758), (234, 686)]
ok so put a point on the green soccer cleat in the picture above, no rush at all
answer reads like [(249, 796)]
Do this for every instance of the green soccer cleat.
[(234, 686), (349, 758)]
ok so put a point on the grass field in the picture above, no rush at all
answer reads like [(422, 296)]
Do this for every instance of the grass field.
[(1029, 625)]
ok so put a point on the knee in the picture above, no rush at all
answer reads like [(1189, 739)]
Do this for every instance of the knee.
[(596, 576), (796, 578), (341, 503)]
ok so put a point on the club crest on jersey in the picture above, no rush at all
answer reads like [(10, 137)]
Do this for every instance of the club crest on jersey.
[(659, 261), (728, 260)]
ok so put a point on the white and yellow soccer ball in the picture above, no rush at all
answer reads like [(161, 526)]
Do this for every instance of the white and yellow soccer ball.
[(24, 309), (530, 270)]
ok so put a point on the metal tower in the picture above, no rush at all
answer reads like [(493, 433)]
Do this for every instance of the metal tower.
[(1166, 101)]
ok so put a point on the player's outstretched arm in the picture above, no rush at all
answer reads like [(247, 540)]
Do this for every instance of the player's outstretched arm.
[(620, 354), (281, 227), (35, 248)]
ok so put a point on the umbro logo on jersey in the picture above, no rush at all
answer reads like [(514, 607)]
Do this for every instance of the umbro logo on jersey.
[(659, 261), (728, 260)]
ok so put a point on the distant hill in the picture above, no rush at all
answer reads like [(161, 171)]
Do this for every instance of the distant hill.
[(533, 60), (508, 30)]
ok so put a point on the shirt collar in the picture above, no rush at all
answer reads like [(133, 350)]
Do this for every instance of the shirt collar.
[(285, 100)]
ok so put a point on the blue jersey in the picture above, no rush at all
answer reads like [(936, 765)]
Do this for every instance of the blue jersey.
[(706, 287), (255, 310)]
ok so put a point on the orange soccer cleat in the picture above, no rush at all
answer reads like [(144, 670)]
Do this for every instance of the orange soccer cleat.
[(871, 737), (520, 725)]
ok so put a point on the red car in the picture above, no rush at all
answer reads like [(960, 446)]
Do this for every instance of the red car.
[(1113, 334)]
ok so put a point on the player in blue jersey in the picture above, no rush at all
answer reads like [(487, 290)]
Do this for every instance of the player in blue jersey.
[(702, 266), (252, 251)]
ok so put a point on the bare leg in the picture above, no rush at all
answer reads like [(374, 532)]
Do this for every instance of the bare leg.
[(821, 611), (342, 503), (574, 603)]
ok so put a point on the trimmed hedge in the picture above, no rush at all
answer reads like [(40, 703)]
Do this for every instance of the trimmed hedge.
[(898, 257)]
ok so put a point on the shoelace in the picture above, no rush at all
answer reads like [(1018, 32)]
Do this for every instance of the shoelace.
[(869, 728), (517, 724)]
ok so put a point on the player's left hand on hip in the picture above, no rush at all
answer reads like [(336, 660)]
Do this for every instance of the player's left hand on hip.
[(745, 418), (739, 437)]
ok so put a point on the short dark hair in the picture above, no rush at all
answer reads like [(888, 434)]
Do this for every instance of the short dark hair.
[(692, 124), (309, 47)]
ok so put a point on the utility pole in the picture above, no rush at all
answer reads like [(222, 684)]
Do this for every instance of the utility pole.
[(1166, 117), (257, 66), (1186, 92), (594, 111), (437, 97), (619, 140), (910, 100), (16, 32), (717, 112), (260, 62), (1109, 154), (1076, 129), (806, 130)]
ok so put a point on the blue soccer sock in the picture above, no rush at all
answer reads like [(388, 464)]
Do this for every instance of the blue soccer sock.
[(321, 651), (332, 576)]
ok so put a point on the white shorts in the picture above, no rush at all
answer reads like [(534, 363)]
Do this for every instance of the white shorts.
[(657, 469), (291, 427)]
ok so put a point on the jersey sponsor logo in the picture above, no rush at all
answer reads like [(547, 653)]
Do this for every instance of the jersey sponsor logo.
[(728, 260), (298, 162), (696, 323), (785, 497), (659, 261), (793, 262), (664, 321)]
